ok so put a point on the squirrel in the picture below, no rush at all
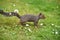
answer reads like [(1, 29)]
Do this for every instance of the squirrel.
[(25, 18)]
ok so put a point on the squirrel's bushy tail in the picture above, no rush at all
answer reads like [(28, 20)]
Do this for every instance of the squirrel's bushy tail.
[(9, 14)]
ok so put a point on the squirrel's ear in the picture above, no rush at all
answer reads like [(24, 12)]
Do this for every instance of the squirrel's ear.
[(40, 14)]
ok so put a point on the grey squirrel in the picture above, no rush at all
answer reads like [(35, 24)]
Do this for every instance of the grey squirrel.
[(31, 18), (25, 18)]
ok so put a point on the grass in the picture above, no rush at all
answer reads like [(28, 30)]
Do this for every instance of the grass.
[(50, 30)]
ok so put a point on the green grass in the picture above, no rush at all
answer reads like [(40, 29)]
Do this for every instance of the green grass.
[(10, 30)]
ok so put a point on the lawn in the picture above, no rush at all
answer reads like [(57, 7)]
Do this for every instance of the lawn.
[(49, 28)]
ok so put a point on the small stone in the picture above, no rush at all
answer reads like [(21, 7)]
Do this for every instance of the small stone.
[(14, 5), (29, 30), (52, 24), (56, 32), (16, 10), (27, 25), (41, 24)]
